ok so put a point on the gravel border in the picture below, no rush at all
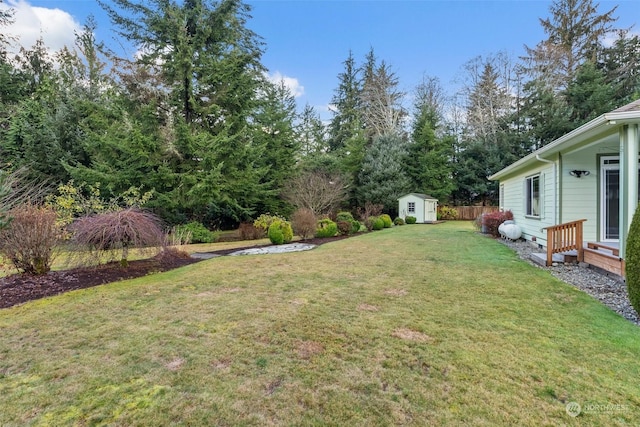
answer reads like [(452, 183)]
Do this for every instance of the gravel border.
[(611, 290)]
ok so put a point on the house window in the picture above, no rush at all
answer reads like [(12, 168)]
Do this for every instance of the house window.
[(411, 207), (533, 196)]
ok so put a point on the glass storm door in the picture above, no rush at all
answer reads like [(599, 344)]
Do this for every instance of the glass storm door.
[(610, 213), (610, 191)]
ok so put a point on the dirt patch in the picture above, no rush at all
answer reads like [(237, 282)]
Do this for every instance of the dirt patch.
[(175, 364), (221, 364), (308, 349), (411, 335), (19, 288)]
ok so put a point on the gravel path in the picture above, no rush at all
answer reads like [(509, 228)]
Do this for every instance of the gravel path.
[(610, 291)]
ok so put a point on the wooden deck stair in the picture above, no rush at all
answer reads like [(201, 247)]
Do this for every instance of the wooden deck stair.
[(564, 244), (605, 256)]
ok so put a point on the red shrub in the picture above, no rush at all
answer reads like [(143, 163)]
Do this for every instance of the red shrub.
[(119, 230), (491, 221)]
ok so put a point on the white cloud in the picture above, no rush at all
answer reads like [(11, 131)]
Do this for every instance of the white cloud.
[(612, 37), (297, 90), (55, 26)]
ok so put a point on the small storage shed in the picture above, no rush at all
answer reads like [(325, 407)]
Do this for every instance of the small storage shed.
[(421, 206)]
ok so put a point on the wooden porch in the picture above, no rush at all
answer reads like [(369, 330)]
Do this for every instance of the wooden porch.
[(565, 244)]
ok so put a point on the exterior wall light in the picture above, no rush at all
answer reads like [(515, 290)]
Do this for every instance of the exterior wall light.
[(578, 173)]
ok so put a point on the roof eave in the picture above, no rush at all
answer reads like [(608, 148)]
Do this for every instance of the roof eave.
[(576, 135)]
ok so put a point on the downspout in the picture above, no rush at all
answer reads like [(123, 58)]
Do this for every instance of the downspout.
[(555, 183)]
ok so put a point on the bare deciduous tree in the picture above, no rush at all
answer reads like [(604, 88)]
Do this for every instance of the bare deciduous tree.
[(320, 192)]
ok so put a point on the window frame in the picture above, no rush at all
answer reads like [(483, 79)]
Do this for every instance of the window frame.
[(411, 207), (533, 209)]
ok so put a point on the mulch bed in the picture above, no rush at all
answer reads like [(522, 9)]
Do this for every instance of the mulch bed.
[(20, 288)]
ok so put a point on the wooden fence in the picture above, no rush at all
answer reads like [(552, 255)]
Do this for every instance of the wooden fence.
[(469, 213)]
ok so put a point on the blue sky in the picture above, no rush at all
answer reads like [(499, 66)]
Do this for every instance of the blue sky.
[(308, 40)]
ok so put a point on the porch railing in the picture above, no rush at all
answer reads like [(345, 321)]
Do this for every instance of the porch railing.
[(564, 238)]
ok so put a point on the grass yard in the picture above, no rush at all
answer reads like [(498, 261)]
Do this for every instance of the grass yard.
[(415, 325)]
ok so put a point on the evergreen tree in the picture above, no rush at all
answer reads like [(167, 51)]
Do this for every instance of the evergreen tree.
[(575, 33), (547, 115), (381, 101), (383, 178), (346, 122), (589, 95), (621, 64), (429, 156), (209, 60), (274, 131), (310, 132)]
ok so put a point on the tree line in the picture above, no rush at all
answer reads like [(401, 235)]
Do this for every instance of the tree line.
[(193, 119)]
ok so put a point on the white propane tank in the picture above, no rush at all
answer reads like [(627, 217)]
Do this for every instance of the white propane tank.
[(511, 232), (501, 227)]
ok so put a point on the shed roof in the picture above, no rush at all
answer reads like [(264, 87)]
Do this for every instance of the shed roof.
[(419, 195)]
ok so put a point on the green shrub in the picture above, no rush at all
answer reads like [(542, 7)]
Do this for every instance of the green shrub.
[(280, 232), (632, 264), (264, 221), (377, 224), (410, 219), (326, 228), (355, 226), (447, 213), (199, 233), (275, 234), (398, 221), (344, 216), (386, 219)]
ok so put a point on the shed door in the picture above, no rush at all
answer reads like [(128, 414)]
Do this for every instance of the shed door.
[(430, 210)]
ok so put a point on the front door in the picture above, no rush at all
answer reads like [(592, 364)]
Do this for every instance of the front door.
[(610, 191)]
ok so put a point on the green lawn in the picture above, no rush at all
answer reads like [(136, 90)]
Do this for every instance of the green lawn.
[(415, 325)]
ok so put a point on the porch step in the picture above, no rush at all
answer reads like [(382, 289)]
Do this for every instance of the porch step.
[(605, 260), (561, 258)]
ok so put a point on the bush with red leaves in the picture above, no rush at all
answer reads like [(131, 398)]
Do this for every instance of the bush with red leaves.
[(118, 230), (491, 221)]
